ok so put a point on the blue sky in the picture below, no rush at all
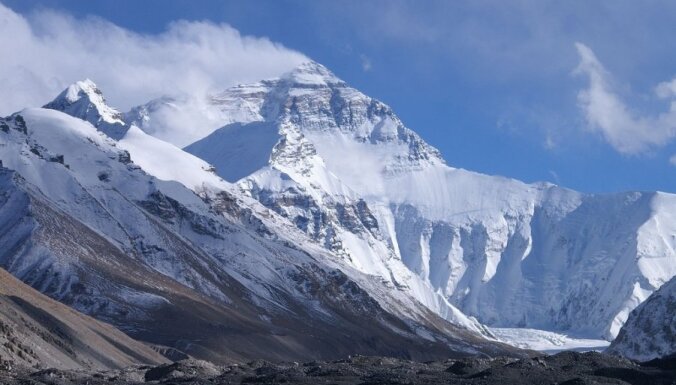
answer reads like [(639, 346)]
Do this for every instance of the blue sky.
[(499, 87)]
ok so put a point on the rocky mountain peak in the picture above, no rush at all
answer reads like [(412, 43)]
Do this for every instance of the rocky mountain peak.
[(84, 100), (311, 74), (650, 330)]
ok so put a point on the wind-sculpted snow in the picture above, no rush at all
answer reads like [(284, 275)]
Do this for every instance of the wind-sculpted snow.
[(508, 253), (141, 234)]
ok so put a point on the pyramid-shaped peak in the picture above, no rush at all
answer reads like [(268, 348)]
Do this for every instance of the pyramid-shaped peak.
[(312, 73), (85, 101), (83, 91), (83, 88)]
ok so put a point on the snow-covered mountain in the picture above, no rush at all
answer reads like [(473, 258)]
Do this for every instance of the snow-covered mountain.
[(134, 231), (650, 331), (301, 210), (85, 101), (346, 171)]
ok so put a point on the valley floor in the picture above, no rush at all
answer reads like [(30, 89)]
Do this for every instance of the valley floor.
[(565, 367)]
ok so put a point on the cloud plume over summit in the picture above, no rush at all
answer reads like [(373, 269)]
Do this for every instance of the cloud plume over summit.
[(626, 130), (47, 50)]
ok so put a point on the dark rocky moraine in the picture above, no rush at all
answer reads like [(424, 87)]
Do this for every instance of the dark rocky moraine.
[(562, 368)]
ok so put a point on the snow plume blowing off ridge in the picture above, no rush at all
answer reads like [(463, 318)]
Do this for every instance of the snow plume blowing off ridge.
[(47, 50)]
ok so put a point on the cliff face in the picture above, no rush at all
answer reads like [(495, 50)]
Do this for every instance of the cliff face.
[(650, 331)]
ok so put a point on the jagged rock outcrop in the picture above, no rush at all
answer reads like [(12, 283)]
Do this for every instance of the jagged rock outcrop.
[(650, 331)]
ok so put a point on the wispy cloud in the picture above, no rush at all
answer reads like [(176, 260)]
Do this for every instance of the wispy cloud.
[(555, 176), (47, 50), (672, 160), (628, 131), (666, 90), (366, 64)]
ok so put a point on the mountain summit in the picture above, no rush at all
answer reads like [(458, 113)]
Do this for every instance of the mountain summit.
[(85, 101), (312, 74)]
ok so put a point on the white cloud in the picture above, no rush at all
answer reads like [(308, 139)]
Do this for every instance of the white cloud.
[(550, 142), (672, 160), (666, 90), (44, 52), (555, 176), (627, 131), (365, 63)]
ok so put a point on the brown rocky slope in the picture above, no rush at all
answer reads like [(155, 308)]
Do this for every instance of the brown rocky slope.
[(36, 331)]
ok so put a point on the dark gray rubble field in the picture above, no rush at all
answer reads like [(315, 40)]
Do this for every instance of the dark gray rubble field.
[(562, 368)]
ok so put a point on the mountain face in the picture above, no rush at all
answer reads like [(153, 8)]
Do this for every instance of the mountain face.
[(138, 233), (38, 332), (345, 170), (305, 221), (650, 331)]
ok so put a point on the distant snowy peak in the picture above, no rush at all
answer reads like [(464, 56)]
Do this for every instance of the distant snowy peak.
[(311, 99), (140, 114), (312, 74), (84, 100)]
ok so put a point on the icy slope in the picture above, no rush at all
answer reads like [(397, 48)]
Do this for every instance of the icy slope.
[(344, 169), (650, 331), (85, 224)]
